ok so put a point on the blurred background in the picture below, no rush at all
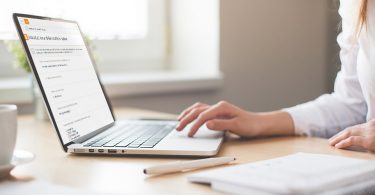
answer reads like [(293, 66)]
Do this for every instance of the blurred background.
[(167, 54)]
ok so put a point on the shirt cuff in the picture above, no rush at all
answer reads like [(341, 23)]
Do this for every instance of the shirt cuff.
[(301, 126)]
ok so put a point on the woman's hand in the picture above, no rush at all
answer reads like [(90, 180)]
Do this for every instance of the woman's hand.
[(225, 116), (362, 135)]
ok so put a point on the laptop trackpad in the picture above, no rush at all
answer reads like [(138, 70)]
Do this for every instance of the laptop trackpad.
[(203, 140)]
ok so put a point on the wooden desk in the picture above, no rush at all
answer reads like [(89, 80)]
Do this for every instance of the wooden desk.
[(123, 175)]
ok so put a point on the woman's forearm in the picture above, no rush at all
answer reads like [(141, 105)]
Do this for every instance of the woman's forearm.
[(276, 123), (224, 116)]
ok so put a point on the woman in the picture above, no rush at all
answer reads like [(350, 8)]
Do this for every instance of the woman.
[(348, 114)]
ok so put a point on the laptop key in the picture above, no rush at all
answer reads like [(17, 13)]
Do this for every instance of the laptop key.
[(125, 142), (116, 141), (133, 145), (88, 144), (146, 146), (98, 144), (110, 144)]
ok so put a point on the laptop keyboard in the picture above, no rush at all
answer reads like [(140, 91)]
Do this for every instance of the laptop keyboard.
[(133, 135)]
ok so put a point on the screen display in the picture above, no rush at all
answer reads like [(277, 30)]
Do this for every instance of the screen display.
[(68, 77)]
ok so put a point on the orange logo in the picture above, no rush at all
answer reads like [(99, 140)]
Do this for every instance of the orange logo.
[(26, 21), (26, 36)]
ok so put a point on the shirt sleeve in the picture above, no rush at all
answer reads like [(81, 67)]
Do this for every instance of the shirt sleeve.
[(346, 106)]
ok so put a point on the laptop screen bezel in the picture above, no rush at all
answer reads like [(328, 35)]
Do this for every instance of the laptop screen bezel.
[(16, 17)]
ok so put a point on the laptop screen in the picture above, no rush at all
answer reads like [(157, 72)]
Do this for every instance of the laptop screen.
[(63, 65)]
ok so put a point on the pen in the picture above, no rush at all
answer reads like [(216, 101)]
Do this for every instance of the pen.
[(187, 165)]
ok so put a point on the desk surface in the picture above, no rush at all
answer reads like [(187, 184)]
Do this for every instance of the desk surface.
[(123, 175)]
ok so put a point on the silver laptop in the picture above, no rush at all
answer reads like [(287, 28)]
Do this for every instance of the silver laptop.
[(79, 107)]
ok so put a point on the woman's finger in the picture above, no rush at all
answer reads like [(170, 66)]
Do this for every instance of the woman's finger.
[(191, 116), (352, 141), (221, 124), (187, 110), (351, 131), (215, 111)]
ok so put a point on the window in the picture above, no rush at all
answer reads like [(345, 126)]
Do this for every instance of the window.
[(142, 46), (127, 34), (121, 19)]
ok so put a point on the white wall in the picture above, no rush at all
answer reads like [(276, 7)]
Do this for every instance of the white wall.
[(273, 54)]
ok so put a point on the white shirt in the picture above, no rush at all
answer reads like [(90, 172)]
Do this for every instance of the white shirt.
[(353, 99)]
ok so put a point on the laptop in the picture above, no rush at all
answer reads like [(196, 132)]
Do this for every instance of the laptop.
[(77, 103)]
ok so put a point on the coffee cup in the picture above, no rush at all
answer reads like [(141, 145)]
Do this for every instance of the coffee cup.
[(8, 132)]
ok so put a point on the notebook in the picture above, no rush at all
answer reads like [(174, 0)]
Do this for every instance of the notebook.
[(300, 173)]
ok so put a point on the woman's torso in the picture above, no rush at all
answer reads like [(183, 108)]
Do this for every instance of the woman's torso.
[(366, 60)]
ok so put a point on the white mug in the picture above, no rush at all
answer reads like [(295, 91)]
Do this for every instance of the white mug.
[(8, 132)]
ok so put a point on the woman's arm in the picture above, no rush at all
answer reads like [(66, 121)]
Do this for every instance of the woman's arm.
[(225, 116)]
